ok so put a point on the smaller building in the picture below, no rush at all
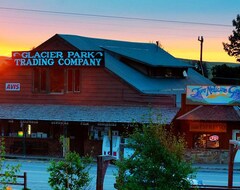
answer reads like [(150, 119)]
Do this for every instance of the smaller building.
[(208, 129)]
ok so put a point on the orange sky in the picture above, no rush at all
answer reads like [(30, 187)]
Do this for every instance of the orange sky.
[(24, 29)]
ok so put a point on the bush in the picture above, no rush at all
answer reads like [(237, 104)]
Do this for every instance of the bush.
[(71, 173)]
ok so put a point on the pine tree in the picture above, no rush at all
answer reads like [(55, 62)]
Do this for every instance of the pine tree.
[(233, 48), (157, 163)]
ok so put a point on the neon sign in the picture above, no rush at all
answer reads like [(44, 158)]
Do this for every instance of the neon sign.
[(213, 95), (213, 138)]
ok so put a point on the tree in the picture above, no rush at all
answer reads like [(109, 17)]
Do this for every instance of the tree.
[(224, 74), (71, 173), (9, 171), (233, 48), (157, 163)]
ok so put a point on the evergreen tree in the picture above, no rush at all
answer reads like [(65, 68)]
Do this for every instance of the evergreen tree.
[(157, 162), (233, 48)]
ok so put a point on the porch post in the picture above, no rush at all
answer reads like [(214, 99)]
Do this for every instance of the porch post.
[(24, 137), (233, 148)]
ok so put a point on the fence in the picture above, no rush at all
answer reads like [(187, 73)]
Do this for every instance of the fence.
[(24, 183)]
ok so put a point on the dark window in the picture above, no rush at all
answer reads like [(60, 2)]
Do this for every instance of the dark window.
[(53, 80), (40, 80), (56, 81), (165, 72), (43, 78), (155, 72), (77, 80), (73, 80), (70, 80)]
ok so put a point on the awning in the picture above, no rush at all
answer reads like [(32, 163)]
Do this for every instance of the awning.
[(212, 113), (69, 113)]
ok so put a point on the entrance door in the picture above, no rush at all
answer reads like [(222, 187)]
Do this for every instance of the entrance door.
[(76, 135), (236, 136)]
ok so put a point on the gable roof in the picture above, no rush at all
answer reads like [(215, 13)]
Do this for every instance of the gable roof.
[(212, 113), (145, 53)]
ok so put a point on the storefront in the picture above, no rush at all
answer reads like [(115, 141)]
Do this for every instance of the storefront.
[(208, 128), (83, 126)]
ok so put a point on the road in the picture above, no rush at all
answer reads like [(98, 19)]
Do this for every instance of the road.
[(37, 175), (217, 177)]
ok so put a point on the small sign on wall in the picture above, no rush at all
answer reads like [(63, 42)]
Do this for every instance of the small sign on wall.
[(12, 87)]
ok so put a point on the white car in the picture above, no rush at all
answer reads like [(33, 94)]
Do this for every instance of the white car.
[(195, 181)]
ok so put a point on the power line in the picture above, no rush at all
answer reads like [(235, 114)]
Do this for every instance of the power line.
[(114, 17)]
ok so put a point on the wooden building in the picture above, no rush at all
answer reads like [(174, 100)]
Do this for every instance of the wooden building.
[(208, 129), (63, 88)]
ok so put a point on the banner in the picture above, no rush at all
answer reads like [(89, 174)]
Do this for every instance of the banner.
[(213, 95)]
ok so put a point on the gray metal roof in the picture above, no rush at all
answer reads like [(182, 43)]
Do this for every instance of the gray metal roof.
[(142, 52), (118, 114), (146, 53)]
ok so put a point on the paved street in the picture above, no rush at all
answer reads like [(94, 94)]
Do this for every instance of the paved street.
[(37, 175)]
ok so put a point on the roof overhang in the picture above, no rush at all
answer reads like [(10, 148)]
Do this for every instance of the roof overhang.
[(69, 113), (212, 113)]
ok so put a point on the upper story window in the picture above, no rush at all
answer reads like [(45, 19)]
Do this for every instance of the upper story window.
[(73, 80), (157, 71), (40, 79), (54, 80), (164, 72)]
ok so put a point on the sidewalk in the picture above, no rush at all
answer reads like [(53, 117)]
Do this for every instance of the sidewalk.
[(39, 158), (236, 166), (197, 166)]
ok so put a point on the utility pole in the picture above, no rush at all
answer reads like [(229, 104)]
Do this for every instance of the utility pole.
[(200, 38)]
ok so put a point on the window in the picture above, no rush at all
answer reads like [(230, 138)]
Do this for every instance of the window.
[(40, 79), (203, 141), (70, 80), (73, 80), (55, 80)]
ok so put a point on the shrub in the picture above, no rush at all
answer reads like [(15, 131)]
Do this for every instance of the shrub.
[(71, 173)]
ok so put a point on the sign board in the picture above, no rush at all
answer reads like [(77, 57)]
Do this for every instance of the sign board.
[(213, 138), (60, 58), (115, 146), (208, 127), (213, 95), (12, 86)]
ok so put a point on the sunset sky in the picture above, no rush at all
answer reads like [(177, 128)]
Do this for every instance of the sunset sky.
[(176, 24)]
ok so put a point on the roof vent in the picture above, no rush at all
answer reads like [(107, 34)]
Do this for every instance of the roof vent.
[(185, 74), (157, 43)]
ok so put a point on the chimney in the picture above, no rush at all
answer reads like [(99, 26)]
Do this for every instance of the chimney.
[(157, 43)]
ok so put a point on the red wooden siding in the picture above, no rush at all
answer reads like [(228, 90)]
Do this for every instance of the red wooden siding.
[(98, 87)]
